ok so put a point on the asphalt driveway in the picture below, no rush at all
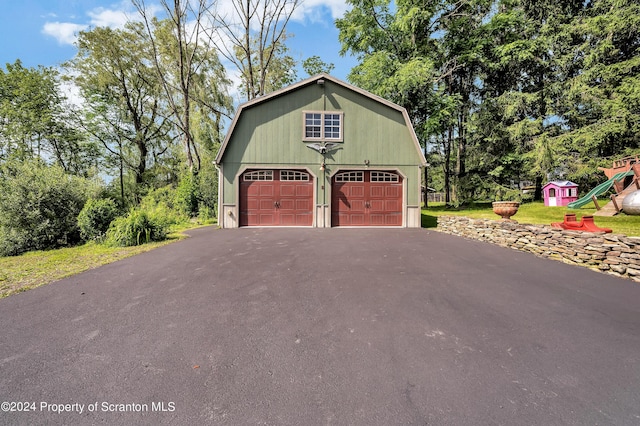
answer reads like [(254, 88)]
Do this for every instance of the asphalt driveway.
[(324, 326)]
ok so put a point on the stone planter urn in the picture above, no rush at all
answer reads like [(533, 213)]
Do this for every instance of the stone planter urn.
[(505, 209)]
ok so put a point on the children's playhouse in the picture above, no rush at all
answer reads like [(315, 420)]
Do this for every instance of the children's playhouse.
[(560, 193)]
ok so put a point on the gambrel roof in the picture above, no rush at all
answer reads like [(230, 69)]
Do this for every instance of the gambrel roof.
[(311, 81)]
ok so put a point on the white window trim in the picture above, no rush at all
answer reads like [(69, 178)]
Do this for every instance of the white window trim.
[(322, 137), (294, 175), (390, 177), (258, 175), (349, 176)]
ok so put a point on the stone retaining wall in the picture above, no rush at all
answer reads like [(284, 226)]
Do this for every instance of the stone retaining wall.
[(614, 254)]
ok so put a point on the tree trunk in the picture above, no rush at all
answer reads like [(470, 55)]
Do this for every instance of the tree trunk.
[(537, 195), (122, 203), (447, 165), (142, 161)]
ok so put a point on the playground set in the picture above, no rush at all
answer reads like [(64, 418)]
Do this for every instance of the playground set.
[(624, 178)]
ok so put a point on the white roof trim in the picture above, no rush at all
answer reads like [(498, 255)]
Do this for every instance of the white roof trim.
[(561, 183), (306, 82)]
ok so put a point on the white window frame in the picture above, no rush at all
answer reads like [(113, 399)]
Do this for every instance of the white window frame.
[(293, 175), (324, 115), (258, 175), (384, 177), (354, 176)]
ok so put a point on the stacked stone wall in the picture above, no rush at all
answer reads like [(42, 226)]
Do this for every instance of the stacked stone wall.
[(609, 253)]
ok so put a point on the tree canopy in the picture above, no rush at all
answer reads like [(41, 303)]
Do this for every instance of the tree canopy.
[(504, 93)]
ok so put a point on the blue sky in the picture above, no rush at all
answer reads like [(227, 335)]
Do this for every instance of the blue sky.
[(41, 32)]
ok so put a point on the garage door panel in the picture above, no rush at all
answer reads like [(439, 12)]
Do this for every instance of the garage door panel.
[(303, 205), (265, 204), (287, 204), (251, 190), (248, 219), (267, 219), (392, 206), (340, 196), (377, 191), (357, 205), (252, 204), (356, 191), (266, 200), (394, 191), (367, 198), (304, 219), (287, 219), (265, 190), (287, 190), (376, 219), (378, 205), (303, 191), (393, 219), (357, 219)]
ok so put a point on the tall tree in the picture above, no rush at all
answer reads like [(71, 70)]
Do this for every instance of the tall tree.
[(33, 122), (184, 57), (252, 37), (557, 91), (124, 108), (314, 65), (507, 90), (531, 104), (405, 57), (602, 108)]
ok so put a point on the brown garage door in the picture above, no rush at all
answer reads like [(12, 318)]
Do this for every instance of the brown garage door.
[(366, 198), (276, 198)]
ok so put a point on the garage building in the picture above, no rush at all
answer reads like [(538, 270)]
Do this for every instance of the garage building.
[(320, 153)]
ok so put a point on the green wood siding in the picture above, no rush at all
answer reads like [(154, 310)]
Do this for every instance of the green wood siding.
[(270, 134)]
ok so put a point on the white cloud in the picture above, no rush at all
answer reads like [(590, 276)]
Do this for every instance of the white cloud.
[(115, 17), (313, 9), (64, 32), (307, 10), (101, 17)]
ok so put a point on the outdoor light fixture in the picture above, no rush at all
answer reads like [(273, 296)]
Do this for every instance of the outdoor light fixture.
[(322, 166), (320, 82), (366, 163)]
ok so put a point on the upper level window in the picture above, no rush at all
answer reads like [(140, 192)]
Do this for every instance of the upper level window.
[(324, 126), (332, 127), (312, 125)]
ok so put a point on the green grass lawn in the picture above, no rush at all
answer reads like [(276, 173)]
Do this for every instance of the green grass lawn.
[(534, 213), (33, 269)]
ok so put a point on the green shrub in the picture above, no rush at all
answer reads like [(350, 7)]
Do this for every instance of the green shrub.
[(138, 227), (14, 242), (165, 195), (95, 217), (186, 199), (39, 206), (160, 204), (205, 214), (527, 198), (208, 188)]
